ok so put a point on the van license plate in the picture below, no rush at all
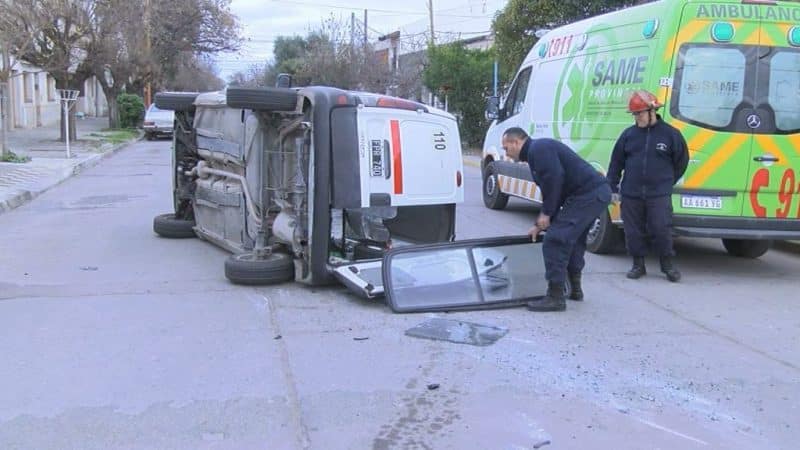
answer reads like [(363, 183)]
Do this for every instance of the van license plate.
[(701, 202), (377, 158)]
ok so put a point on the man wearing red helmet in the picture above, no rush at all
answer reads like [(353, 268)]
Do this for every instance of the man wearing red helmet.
[(653, 156)]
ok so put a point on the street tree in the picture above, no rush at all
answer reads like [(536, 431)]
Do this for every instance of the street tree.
[(125, 56), (515, 26), (58, 31), (11, 38), (194, 73), (189, 27), (464, 76)]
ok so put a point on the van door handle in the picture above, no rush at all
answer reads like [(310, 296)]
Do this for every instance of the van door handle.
[(387, 163), (768, 158)]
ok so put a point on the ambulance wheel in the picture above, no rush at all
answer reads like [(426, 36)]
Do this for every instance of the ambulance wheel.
[(746, 248), (492, 197), (168, 226), (262, 99), (604, 237), (248, 269)]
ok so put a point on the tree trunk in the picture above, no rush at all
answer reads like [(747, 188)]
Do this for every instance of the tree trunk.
[(72, 127), (5, 115), (113, 110)]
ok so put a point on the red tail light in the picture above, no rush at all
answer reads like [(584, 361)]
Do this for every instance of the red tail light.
[(149, 123), (458, 179), (388, 102)]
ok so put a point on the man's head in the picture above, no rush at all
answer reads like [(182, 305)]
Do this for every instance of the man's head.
[(643, 105), (513, 140)]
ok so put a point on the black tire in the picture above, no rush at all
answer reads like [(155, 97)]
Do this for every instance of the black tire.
[(492, 197), (746, 248), (248, 270), (604, 237), (176, 101), (166, 225), (262, 99), (149, 136)]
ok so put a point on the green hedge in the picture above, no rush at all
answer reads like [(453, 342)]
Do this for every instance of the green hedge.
[(131, 110)]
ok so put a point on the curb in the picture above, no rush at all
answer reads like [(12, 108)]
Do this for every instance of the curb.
[(22, 197)]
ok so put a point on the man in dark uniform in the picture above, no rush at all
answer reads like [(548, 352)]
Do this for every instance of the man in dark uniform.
[(653, 156), (573, 195)]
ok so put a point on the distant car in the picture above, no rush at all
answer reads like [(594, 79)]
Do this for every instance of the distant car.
[(158, 122)]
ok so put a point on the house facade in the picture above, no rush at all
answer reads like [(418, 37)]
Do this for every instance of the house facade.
[(34, 100)]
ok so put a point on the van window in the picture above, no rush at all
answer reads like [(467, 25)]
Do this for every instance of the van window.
[(711, 85), (784, 89), (516, 95)]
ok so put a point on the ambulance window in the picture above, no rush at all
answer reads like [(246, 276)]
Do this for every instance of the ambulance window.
[(711, 84), (784, 89), (516, 96)]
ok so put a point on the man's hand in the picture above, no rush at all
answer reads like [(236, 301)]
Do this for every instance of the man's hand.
[(543, 222), (534, 232)]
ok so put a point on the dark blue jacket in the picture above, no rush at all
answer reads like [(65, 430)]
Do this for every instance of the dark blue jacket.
[(653, 159), (559, 172)]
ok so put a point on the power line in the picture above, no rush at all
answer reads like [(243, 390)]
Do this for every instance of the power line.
[(390, 11)]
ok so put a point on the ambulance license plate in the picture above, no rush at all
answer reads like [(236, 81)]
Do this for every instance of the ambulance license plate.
[(701, 202)]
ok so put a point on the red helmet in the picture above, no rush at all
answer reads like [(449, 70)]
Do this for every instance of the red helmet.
[(643, 101)]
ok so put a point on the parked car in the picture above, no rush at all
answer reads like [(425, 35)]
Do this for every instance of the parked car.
[(158, 122)]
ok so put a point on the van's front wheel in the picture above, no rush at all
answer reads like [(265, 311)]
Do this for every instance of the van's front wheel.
[(492, 197), (746, 248)]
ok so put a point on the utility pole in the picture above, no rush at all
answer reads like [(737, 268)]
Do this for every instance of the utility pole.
[(149, 72), (5, 103), (352, 31), (430, 13), (365, 32)]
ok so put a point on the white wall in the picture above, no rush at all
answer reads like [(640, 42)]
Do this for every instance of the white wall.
[(35, 102)]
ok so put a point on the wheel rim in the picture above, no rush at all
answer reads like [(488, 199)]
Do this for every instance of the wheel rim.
[(594, 231), (491, 185)]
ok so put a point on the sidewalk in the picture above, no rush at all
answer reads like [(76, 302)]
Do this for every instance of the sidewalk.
[(49, 166)]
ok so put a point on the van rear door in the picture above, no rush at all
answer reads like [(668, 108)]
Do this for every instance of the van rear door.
[(774, 166), (408, 158), (713, 94)]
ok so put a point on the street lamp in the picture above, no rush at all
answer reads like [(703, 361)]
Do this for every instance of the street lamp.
[(68, 98)]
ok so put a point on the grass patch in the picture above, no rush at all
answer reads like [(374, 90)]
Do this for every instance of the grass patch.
[(116, 136), (12, 157)]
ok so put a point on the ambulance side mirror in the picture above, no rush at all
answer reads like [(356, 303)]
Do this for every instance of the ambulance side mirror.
[(493, 108)]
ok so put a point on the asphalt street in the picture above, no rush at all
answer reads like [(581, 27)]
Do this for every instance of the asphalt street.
[(114, 338)]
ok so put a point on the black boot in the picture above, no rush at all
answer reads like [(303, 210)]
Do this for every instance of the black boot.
[(553, 301), (669, 270), (575, 291), (638, 270)]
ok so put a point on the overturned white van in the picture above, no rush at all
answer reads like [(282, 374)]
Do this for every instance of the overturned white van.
[(308, 183)]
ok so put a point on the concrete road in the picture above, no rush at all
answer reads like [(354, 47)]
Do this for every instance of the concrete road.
[(114, 338)]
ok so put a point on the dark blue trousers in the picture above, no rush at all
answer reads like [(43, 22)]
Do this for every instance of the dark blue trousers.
[(648, 220), (565, 241)]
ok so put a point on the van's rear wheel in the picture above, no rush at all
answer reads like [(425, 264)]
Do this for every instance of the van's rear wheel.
[(175, 101), (492, 197), (262, 99), (604, 237), (746, 248), (248, 269)]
